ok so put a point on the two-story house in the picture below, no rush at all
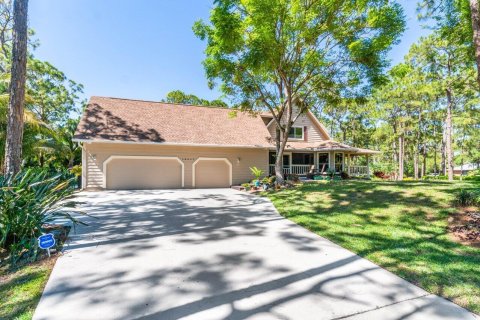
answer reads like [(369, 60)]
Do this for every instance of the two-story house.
[(133, 144)]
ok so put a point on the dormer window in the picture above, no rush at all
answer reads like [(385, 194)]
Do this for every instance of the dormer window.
[(296, 133)]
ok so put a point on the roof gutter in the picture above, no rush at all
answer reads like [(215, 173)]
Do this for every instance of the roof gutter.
[(353, 150), (88, 141)]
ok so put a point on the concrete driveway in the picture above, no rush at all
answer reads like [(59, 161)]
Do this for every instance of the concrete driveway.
[(217, 254)]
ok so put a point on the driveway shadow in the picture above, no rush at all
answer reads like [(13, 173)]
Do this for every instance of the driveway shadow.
[(209, 254)]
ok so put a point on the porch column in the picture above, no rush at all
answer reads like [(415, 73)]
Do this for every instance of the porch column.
[(84, 167), (315, 161), (290, 164), (348, 163), (368, 166)]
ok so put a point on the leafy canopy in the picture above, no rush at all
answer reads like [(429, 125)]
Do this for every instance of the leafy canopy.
[(268, 53), (178, 96), (54, 97), (452, 18)]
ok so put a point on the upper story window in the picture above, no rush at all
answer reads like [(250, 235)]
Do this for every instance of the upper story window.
[(296, 133)]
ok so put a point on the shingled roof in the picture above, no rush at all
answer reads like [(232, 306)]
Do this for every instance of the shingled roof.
[(114, 119)]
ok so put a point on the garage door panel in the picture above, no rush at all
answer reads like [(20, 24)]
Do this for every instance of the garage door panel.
[(127, 173), (212, 174)]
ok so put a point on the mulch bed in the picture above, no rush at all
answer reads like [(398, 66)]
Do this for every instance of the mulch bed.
[(465, 227)]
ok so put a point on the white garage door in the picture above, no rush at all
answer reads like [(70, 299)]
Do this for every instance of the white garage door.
[(123, 172), (212, 173)]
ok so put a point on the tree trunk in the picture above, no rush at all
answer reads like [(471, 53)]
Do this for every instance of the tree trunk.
[(475, 15), (401, 155), (462, 151), (416, 155), (435, 166), (448, 136), (424, 164), (416, 168), (394, 144), (279, 158), (13, 146), (71, 161), (444, 161)]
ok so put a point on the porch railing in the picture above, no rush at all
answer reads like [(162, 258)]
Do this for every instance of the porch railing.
[(357, 170), (286, 170), (302, 169), (299, 169)]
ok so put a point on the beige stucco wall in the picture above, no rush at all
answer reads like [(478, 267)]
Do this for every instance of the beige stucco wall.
[(241, 159), (314, 134)]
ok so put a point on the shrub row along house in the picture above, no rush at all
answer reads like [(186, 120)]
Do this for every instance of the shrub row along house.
[(132, 144)]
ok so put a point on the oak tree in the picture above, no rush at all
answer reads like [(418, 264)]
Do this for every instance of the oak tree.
[(286, 56)]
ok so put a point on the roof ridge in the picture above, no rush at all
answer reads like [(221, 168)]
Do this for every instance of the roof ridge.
[(170, 103)]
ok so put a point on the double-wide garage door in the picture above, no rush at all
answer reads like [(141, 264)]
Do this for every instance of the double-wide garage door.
[(129, 172), (144, 173)]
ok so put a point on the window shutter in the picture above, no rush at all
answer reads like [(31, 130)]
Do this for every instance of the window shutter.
[(305, 133)]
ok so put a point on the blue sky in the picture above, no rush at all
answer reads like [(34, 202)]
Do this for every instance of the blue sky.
[(139, 49)]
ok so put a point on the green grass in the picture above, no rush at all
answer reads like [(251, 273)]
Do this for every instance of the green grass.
[(20, 291), (399, 226)]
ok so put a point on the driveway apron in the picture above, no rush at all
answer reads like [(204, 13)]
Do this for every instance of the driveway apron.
[(217, 254)]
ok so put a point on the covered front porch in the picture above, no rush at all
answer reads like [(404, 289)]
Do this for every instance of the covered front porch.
[(323, 159)]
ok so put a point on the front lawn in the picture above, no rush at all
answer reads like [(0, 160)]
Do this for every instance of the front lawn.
[(399, 226), (21, 290)]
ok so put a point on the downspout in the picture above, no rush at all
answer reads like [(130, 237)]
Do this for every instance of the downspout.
[(84, 166)]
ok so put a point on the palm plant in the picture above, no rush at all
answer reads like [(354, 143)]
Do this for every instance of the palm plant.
[(29, 201), (55, 148), (256, 172), (33, 126), (68, 150)]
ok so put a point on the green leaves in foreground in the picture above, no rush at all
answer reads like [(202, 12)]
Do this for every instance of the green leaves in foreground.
[(29, 201)]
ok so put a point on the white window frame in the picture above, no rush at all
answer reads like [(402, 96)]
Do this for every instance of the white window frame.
[(289, 164), (328, 160), (303, 133), (343, 161)]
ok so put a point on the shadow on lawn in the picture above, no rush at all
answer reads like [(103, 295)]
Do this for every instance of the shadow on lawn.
[(241, 282), (401, 226), (14, 308)]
